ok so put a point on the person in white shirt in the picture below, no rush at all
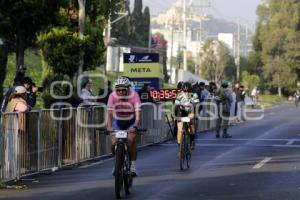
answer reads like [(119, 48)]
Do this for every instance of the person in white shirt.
[(86, 94)]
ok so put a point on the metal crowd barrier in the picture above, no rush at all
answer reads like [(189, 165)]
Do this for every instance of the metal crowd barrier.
[(10, 147), (42, 140)]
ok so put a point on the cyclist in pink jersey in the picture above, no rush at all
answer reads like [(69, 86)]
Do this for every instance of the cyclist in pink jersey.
[(124, 111)]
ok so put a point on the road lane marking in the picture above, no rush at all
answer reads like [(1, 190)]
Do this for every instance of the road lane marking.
[(202, 145), (250, 139), (291, 141), (262, 163), (96, 163), (232, 145), (287, 146)]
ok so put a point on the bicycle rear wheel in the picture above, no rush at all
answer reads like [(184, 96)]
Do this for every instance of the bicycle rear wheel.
[(119, 170)]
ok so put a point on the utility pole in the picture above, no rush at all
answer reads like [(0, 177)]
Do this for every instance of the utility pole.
[(202, 6), (172, 40), (81, 22), (149, 38), (178, 63), (110, 53), (238, 52), (184, 37)]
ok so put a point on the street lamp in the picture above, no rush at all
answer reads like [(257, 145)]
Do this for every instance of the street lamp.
[(110, 53)]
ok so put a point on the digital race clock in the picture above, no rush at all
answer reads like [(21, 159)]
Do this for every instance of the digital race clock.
[(164, 94)]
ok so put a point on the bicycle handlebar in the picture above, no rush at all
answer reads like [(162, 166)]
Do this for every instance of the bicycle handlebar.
[(107, 132)]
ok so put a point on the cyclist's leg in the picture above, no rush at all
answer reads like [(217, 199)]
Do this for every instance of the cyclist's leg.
[(113, 138), (192, 130), (179, 132), (132, 145), (132, 135)]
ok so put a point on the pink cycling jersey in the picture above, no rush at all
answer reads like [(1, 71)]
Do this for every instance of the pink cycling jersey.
[(124, 107)]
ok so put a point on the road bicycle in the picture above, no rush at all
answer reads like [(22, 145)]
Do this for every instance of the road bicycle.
[(185, 153)]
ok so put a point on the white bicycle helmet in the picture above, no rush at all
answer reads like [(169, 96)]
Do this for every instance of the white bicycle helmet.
[(122, 82)]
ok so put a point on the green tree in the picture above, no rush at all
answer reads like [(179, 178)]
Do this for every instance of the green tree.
[(277, 41), (145, 30), (63, 48), (134, 29), (230, 69), (140, 24), (191, 63), (22, 20), (250, 80), (3, 62), (215, 57)]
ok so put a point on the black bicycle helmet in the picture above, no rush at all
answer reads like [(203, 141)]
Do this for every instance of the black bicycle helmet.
[(179, 85), (187, 86)]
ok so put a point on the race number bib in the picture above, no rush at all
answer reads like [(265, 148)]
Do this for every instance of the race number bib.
[(185, 119), (121, 134)]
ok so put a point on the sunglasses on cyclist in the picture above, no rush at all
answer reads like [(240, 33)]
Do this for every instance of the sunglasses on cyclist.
[(121, 90)]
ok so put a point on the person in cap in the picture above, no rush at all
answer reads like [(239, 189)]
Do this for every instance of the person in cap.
[(17, 101), (31, 90), (224, 100)]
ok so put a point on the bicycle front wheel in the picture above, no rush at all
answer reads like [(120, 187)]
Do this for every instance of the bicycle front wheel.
[(119, 170), (188, 154), (182, 151), (127, 174)]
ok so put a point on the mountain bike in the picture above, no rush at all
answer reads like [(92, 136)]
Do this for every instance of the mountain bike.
[(122, 174), (185, 153)]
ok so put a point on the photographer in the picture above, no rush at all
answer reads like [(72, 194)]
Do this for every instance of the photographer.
[(31, 91)]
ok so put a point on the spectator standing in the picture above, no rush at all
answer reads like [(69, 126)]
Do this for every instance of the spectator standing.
[(31, 91), (233, 104), (224, 100), (239, 100), (241, 104), (254, 94), (17, 101), (86, 95), (204, 91)]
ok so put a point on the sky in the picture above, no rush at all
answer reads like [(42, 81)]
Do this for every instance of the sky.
[(232, 10)]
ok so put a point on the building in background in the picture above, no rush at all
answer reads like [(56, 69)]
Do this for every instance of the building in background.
[(199, 26)]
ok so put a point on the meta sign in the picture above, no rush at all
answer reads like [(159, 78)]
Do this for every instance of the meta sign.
[(143, 68)]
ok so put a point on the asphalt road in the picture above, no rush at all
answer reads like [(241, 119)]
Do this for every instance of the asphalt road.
[(260, 162)]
